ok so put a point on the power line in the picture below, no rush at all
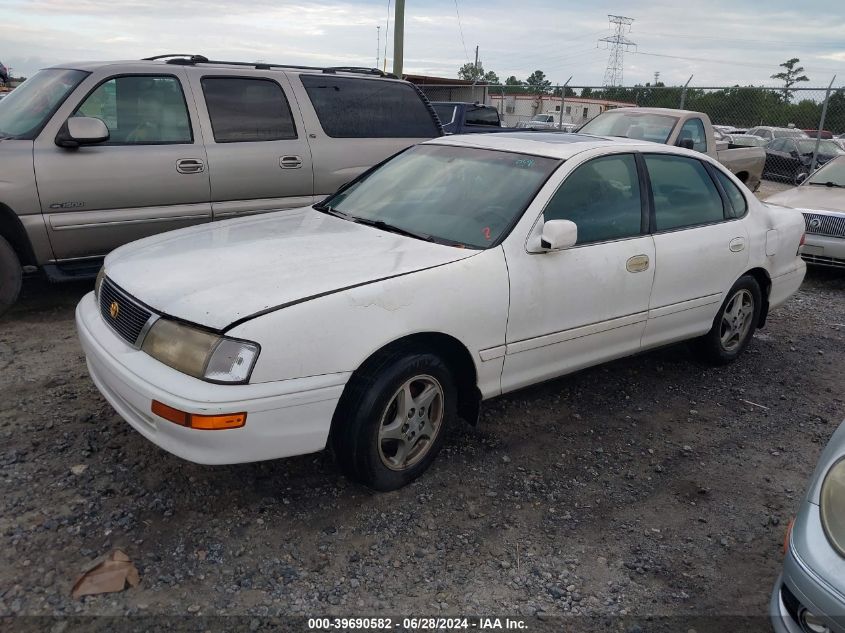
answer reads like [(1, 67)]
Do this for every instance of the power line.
[(722, 61), (461, 29), (618, 45)]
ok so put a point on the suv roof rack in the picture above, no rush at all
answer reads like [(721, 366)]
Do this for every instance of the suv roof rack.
[(185, 59)]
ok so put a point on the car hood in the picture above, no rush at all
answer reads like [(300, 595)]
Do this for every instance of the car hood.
[(811, 197), (221, 273)]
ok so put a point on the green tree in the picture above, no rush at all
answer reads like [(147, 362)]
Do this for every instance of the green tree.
[(790, 76), (490, 77), (513, 81), (538, 84), (471, 72)]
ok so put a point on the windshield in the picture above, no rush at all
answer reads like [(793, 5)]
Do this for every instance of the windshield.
[(828, 148), (747, 141), (643, 126), (445, 112), (28, 107), (456, 195), (543, 118), (788, 133), (833, 172)]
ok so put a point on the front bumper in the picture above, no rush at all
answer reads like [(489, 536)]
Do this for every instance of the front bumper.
[(823, 250), (284, 418)]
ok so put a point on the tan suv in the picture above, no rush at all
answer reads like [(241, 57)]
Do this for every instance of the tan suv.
[(97, 154)]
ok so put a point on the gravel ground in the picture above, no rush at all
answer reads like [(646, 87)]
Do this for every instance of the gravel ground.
[(651, 486)]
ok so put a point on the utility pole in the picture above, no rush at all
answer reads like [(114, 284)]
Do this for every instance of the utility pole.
[(398, 37), (476, 58), (378, 43), (656, 76), (618, 44)]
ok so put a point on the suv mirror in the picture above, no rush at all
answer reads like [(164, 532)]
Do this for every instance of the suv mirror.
[(82, 130), (559, 234)]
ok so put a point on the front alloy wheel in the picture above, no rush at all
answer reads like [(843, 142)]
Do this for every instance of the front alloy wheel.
[(411, 422)]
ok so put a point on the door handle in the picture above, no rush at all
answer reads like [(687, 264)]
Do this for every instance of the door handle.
[(190, 166), (737, 244), (637, 264), (290, 162)]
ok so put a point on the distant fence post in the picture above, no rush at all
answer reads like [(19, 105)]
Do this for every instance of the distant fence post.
[(684, 93), (562, 99), (821, 126)]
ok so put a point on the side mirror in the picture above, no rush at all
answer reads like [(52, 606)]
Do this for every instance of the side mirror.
[(559, 235), (82, 130), (686, 143)]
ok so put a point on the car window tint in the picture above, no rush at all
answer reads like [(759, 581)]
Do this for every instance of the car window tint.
[(684, 193), (140, 110), (368, 108), (445, 111), (738, 202), (694, 129), (482, 116), (602, 197), (247, 110)]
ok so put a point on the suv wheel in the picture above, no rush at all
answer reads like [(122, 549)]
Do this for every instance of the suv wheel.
[(734, 325), (390, 423), (11, 275)]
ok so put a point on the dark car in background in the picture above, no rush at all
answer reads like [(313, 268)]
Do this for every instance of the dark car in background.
[(459, 117), (791, 158)]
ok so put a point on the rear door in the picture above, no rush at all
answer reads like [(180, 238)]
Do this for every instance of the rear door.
[(354, 123), (149, 177), (700, 247), (258, 156)]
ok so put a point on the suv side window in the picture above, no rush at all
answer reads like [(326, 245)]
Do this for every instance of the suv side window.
[(481, 115), (694, 129), (738, 202), (140, 110), (684, 193), (602, 197), (247, 110), (368, 108)]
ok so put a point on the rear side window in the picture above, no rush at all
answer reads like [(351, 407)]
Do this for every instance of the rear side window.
[(482, 116), (247, 110), (368, 108), (684, 193), (602, 197), (740, 206), (140, 110)]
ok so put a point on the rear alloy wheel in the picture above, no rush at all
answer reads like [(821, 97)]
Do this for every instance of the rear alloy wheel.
[(734, 325), (390, 422), (11, 276)]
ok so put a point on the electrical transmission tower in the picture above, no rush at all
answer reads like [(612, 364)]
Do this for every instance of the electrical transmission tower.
[(618, 44)]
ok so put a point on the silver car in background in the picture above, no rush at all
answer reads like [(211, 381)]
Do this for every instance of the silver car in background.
[(809, 595)]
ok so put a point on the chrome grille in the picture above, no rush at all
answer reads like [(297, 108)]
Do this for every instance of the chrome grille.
[(130, 317), (830, 225)]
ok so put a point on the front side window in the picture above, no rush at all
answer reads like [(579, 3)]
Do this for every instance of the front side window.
[(456, 195), (140, 110), (684, 193), (693, 129), (25, 110), (602, 197), (247, 110), (349, 107), (482, 116)]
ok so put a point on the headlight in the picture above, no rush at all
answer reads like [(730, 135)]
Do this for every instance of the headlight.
[(199, 353), (832, 504), (100, 276)]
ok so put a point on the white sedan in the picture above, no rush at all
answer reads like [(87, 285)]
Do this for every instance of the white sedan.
[(461, 269)]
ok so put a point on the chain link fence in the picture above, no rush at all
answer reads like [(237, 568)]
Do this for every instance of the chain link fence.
[(799, 128)]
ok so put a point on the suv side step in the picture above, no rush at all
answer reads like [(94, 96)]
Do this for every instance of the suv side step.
[(73, 271)]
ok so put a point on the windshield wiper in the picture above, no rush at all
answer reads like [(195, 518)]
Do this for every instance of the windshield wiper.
[(827, 184), (328, 210), (392, 228)]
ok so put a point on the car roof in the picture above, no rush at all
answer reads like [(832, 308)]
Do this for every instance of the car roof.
[(560, 145)]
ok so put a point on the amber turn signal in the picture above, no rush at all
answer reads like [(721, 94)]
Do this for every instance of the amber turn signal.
[(787, 535), (197, 421)]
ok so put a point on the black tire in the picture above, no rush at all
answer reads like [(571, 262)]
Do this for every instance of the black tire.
[(712, 348), (367, 401), (11, 276)]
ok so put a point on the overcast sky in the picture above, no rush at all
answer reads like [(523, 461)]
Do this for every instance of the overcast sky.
[(724, 42)]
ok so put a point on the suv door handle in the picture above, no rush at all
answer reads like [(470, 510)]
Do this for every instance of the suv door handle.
[(737, 244), (290, 162), (190, 166)]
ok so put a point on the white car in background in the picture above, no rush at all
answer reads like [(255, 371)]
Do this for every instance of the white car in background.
[(821, 199), (459, 270)]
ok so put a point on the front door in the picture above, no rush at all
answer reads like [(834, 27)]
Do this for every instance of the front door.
[(258, 156), (580, 306), (149, 177)]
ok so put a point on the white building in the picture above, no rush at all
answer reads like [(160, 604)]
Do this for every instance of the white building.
[(521, 107)]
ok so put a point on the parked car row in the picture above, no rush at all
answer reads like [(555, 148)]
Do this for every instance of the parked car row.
[(793, 159)]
